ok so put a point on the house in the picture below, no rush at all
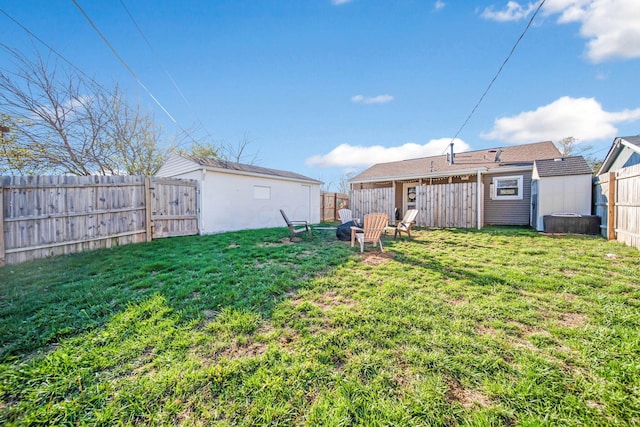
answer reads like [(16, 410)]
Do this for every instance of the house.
[(624, 152), (465, 190), (561, 188), (617, 191), (235, 196)]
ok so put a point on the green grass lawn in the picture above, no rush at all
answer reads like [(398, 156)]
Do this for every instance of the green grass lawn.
[(452, 327)]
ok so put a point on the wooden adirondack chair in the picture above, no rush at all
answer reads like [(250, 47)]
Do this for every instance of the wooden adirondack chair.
[(345, 215), (407, 222), (296, 227), (371, 231)]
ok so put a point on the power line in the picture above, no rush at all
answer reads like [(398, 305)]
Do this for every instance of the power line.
[(51, 49), (164, 69), (117, 55), (499, 70)]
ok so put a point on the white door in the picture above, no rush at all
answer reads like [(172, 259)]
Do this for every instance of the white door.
[(409, 198)]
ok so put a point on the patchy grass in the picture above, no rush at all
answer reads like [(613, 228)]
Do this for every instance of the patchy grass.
[(452, 327)]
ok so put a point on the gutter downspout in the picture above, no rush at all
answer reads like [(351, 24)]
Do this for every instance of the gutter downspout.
[(480, 198)]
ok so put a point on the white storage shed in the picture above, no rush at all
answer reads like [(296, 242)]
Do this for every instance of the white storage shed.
[(562, 187), (236, 196)]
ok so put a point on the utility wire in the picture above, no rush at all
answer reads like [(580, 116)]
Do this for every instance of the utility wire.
[(164, 69), (51, 49), (499, 71), (117, 55)]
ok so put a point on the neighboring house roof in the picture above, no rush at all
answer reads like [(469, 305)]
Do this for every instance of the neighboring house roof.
[(562, 166), (619, 144), (469, 161), (226, 166)]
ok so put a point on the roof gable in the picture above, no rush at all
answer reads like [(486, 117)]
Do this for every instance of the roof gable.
[(617, 147), (494, 158)]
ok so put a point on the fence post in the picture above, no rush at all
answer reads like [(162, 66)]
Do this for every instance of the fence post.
[(147, 201), (611, 207), (1, 223)]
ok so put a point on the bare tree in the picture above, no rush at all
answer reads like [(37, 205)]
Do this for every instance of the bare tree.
[(68, 123), (238, 153), (570, 146), (344, 186), (567, 146)]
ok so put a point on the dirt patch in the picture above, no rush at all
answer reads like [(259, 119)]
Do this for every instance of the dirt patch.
[(468, 398), (331, 299), (572, 320), (568, 272), (566, 296), (489, 331), (377, 258), (458, 302), (283, 241), (250, 349)]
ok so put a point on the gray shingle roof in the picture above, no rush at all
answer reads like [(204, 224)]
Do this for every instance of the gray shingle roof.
[(563, 166), (252, 169), (517, 155), (635, 140)]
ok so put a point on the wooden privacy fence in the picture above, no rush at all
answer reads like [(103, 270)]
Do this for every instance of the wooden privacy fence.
[(43, 216), (331, 203), (439, 205), (372, 200), (617, 203), (447, 205)]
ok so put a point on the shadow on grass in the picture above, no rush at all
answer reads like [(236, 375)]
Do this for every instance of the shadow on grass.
[(49, 300)]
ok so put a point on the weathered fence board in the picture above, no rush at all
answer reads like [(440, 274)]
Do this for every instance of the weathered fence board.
[(447, 205), (174, 207), (331, 203), (51, 215), (373, 200), (439, 205), (617, 202)]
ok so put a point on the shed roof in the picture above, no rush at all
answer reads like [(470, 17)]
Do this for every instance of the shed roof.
[(223, 165), (562, 166), (493, 158)]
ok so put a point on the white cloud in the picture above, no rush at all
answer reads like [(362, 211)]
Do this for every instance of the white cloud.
[(346, 155), (439, 5), (610, 26), (513, 11), (380, 99), (339, 2), (581, 118)]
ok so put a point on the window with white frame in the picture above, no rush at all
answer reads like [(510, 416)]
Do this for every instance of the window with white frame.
[(507, 188)]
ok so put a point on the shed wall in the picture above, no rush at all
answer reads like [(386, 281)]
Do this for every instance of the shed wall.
[(563, 194)]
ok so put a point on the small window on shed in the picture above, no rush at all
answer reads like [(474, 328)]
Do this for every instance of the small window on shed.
[(507, 188), (261, 192)]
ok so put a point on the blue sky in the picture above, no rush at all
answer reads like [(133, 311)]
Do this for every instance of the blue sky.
[(325, 88)]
